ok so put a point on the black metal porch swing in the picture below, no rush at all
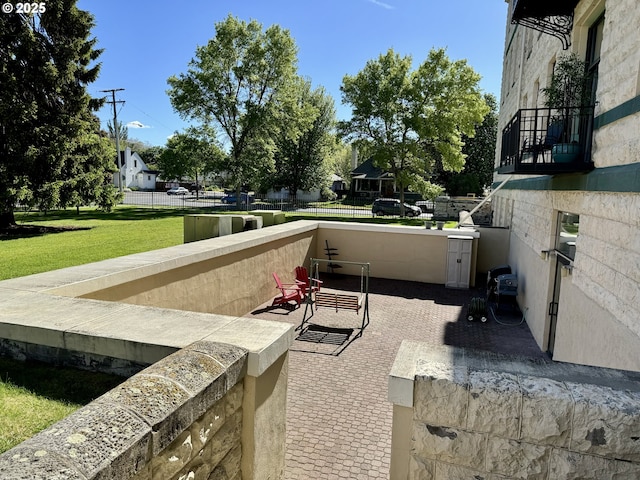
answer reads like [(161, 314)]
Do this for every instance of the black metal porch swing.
[(335, 299)]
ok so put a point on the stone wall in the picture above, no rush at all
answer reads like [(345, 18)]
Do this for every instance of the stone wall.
[(180, 418), (605, 271), (478, 415)]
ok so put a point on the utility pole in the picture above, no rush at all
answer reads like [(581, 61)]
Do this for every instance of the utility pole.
[(116, 130)]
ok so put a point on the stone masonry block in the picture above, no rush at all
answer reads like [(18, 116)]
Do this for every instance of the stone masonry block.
[(441, 394), (174, 458), (220, 455), (196, 470), (495, 401), (421, 469), (227, 438), (547, 409), (233, 399), (36, 464), (159, 401), (229, 466), (103, 441), (144, 474), (232, 358), (208, 425), (517, 459), (449, 445), (606, 422), (198, 374), (575, 466), (444, 471)]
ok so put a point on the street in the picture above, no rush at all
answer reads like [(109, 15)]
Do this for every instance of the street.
[(213, 200)]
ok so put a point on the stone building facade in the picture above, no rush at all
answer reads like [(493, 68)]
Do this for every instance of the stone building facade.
[(574, 233)]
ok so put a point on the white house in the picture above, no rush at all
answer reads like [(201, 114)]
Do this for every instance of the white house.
[(134, 173)]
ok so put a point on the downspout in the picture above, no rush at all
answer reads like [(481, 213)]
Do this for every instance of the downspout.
[(468, 215)]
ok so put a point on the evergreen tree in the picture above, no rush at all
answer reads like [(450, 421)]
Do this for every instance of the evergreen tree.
[(53, 154)]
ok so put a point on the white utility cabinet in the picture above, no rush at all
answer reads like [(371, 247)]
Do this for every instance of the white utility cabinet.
[(459, 249)]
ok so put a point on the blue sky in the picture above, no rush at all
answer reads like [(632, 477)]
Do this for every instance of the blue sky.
[(145, 42)]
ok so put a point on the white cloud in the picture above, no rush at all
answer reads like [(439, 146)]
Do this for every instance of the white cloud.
[(137, 124), (382, 4)]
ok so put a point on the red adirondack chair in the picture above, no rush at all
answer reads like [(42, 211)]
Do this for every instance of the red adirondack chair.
[(302, 280), (289, 292)]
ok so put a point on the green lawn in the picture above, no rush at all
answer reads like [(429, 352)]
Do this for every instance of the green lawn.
[(102, 235), (35, 396), (125, 231)]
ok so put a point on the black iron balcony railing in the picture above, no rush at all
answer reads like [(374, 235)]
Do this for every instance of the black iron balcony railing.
[(542, 8), (546, 141), (553, 17)]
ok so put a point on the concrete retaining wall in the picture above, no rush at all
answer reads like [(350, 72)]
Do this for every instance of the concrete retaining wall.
[(469, 414), (215, 388), (403, 253), (180, 418), (231, 278)]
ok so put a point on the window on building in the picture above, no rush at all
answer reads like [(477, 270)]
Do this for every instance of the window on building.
[(594, 46), (135, 163), (369, 185), (568, 225)]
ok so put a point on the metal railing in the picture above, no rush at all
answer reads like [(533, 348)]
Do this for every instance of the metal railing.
[(547, 140), (216, 202)]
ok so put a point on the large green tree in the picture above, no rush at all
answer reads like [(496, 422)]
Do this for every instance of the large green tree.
[(150, 155), (480, 156), (53, 154), (409, 118), (193, 154), (302, 155), (234, 83)]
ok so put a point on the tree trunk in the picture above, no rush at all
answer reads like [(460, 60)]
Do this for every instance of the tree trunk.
[(239, 197), (7, 219)]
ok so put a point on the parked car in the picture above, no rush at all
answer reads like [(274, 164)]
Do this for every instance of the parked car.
[(194, 187), (426, 206), (177, 191), (391, 206), (231, 198)]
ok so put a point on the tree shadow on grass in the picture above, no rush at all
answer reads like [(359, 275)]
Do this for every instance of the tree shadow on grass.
[(27, 231), (57, 383), (121, 213)]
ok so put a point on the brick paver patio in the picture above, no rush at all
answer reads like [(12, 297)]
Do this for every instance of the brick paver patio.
[(338, 416)]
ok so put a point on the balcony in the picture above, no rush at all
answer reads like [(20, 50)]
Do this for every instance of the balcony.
[(542, 8), (547, 141), (553, 17)]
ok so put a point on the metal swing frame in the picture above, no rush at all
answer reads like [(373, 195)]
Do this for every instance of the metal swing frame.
[(338, 301)]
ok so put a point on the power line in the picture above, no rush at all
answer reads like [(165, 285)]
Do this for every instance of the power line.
[(115, 128)]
